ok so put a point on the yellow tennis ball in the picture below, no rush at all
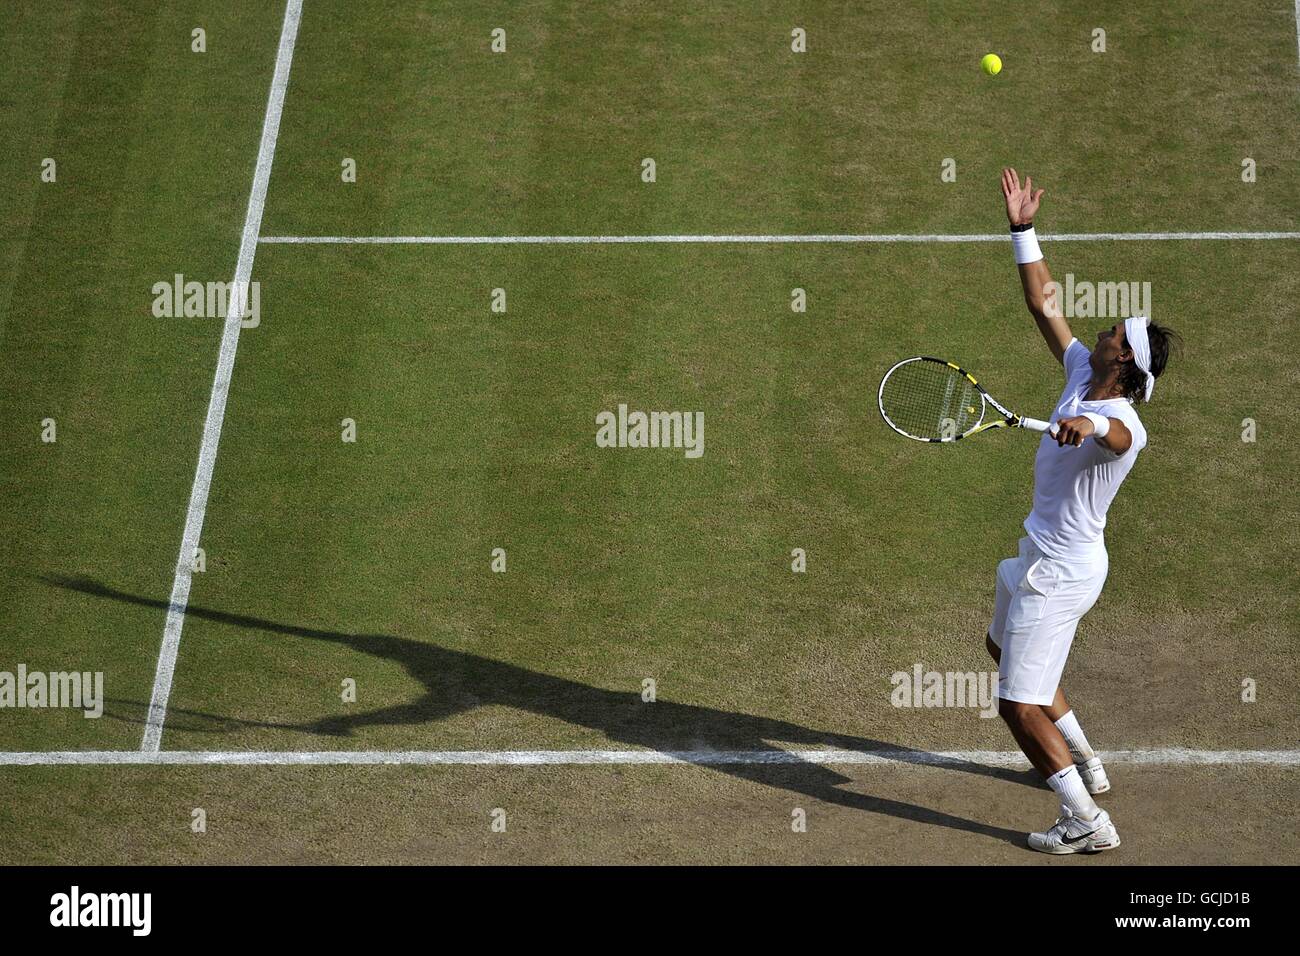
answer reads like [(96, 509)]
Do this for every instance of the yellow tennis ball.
[(991, 64)]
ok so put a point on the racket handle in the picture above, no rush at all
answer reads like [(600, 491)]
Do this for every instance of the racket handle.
[(1033, 424)]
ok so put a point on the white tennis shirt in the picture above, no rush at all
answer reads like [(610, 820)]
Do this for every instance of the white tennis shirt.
[(1074, 486)]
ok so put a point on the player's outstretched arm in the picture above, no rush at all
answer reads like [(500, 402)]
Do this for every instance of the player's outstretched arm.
[(1022, 204)]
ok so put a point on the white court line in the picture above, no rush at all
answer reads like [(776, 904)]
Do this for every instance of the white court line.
[(1169, 756), (162, 682), (1297, 30), (822, 238)]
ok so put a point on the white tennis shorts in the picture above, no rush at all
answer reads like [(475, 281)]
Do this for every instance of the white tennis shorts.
[(1038, 605)]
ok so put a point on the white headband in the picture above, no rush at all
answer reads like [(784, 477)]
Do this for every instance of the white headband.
[(1135, 330)]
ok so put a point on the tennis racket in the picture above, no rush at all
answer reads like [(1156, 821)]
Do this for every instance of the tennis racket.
[(928, 399)]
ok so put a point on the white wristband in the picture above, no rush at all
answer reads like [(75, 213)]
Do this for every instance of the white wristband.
[(1100, 424), (1025, 245)]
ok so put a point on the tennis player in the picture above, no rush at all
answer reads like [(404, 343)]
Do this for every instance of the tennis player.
[(1058, 575)]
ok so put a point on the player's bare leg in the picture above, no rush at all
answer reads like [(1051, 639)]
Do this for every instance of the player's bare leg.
[(1037, 736), (1062, 716), (1035, 731)]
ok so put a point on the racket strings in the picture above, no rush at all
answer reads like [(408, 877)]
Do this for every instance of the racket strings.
[(926, 399)]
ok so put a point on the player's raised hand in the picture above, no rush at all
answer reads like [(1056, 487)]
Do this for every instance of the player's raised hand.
[(1022, 201)]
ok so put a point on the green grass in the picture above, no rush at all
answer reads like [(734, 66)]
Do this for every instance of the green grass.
[(155, 148), (749, 137), (370, 561)]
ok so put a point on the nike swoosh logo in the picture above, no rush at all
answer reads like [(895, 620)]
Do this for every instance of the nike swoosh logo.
[(1082, 837)]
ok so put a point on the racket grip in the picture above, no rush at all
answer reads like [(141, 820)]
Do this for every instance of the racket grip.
[(1033, 424)]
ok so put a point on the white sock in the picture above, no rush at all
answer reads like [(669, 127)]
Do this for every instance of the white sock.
[(1069, 727), (1074, 795)]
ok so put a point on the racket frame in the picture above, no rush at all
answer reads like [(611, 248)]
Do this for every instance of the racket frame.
[(1006, 419)]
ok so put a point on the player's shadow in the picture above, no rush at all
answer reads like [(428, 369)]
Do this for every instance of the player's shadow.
[(455, 681)]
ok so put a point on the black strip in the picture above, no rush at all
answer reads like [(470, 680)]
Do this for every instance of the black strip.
[(323, 907)]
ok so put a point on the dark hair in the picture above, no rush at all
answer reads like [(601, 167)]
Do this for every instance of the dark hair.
[(1163, 340)]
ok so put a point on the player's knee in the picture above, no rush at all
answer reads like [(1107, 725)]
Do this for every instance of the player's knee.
[(1014, 712)]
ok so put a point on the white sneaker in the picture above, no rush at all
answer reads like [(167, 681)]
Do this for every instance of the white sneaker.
[(1093, 775), (1072, 834)]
